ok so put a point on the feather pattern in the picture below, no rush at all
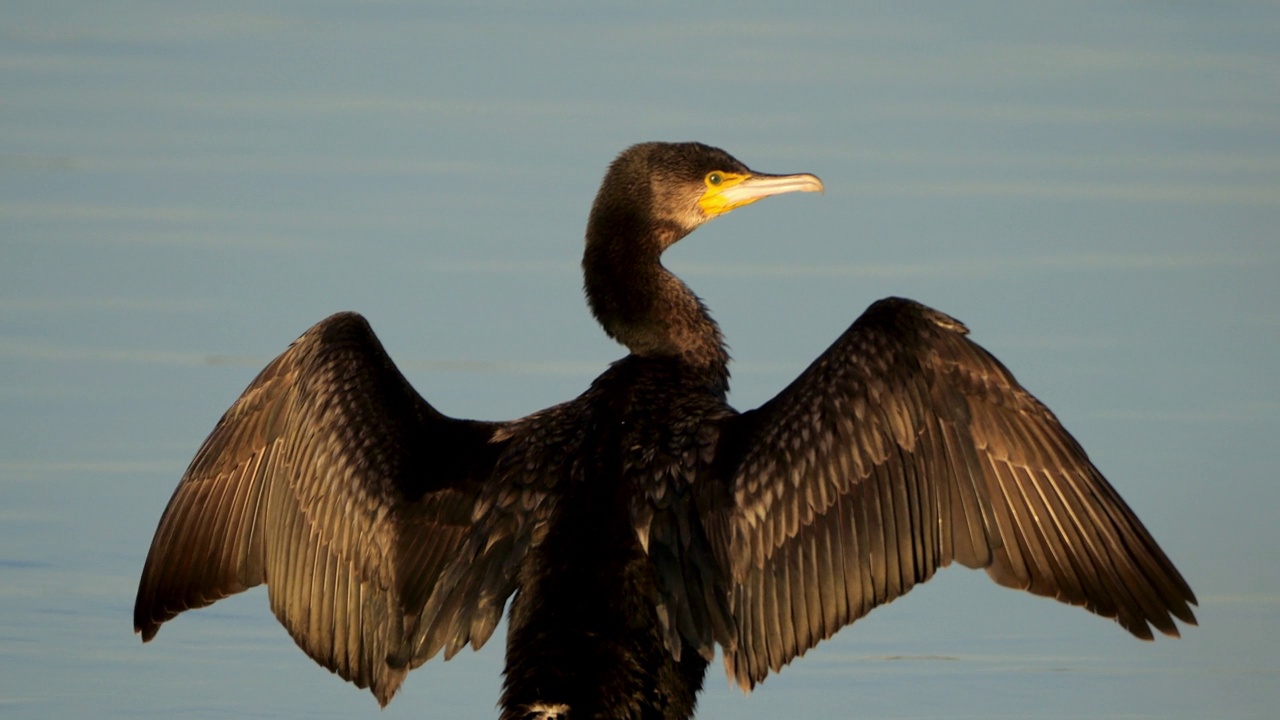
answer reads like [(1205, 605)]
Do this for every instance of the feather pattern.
[(903, 448), (334, 483)]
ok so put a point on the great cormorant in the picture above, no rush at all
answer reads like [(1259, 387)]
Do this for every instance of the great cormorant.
[(646, 521)]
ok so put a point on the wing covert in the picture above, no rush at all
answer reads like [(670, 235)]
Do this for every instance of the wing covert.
[(331, 480), (902, 448)]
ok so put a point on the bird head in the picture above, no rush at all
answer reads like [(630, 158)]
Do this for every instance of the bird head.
[(675, 187)]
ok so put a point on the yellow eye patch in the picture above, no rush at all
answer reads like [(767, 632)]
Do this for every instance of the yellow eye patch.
[(716, 200)]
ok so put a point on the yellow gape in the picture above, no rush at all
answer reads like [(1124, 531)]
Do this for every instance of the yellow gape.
[(729, 191)]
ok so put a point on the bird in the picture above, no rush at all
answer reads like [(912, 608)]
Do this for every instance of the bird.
[(638, 527)]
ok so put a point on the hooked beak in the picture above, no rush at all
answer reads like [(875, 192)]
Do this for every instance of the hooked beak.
[(738, 190)]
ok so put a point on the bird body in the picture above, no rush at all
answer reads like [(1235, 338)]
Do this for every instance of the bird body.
[(645, 523), (586, 609)]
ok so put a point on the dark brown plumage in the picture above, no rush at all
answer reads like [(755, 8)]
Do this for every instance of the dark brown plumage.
[(645, 521)]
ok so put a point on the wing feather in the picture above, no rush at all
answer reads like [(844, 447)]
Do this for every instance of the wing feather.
[(332, 481), (903, 448)]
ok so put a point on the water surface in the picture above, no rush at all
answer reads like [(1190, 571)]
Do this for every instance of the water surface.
[(1094, 189)]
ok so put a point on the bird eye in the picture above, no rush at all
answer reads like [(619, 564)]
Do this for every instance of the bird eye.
[(714, 178)]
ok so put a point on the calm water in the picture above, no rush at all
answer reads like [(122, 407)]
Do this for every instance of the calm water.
[(1094, 189)]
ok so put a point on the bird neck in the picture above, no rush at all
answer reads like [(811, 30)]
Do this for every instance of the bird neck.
[(639, 302)]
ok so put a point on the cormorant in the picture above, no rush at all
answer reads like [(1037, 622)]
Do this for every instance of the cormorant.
[(646, 521)]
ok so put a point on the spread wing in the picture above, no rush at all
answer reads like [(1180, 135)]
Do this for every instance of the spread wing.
[(332, 481), (905, 447)]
